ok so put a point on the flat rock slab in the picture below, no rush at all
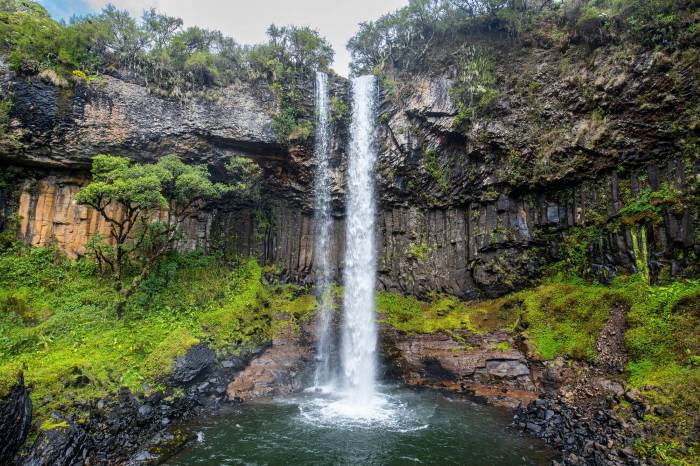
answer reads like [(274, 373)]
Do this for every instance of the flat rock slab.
[(278, 371)]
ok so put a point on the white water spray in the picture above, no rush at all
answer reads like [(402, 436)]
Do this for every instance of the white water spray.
[(323, 223), (359, 338)]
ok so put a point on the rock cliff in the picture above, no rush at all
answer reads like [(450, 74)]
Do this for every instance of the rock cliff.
[(573, 138)]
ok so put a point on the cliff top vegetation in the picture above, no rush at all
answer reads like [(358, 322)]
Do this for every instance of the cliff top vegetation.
[(403, 39)]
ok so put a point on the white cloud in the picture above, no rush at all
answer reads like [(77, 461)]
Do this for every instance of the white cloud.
[(247, 20)]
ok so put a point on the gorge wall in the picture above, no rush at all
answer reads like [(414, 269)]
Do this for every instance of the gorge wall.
[(477, 208)]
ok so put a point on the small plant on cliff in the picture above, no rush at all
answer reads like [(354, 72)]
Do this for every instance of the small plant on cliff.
[(5, 107), (474, 90), (288, 60), (339, 110), (419, 251), (650, 205), (133, 198)]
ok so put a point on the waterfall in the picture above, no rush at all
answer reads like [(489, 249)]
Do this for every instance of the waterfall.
[(359, 337), (322, 224)]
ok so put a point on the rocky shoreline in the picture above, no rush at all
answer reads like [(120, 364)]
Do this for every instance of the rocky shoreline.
[(568, 405), (123, 428)]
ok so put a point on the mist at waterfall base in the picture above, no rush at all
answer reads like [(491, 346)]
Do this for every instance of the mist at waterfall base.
[(346, 416)]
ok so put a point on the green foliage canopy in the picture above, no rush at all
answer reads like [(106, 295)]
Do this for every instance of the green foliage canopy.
[(127, 196), (156, 49)]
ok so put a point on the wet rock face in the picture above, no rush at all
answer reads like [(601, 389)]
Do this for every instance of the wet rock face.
[(115, 430), (15, 421), (281, 369), (501, 377), (136, 429), (192, 365)]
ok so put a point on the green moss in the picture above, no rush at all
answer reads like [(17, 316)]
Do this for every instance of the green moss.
[(160, 362), (445, 313), (9, 376), (639, 247), (578, 242), (565, 318), (650, 204), (49, 425), (79, 350), (502, 346), (419, 251)]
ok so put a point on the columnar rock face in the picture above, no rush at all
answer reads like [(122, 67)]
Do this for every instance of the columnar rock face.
[(48, 214), (493, 246), (469, 208)]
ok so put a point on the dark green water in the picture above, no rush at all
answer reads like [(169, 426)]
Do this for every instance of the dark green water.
[(412, 427)]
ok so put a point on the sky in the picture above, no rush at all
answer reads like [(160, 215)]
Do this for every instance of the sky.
[(247, 20)]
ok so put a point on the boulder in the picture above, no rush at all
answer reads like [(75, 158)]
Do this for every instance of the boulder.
[(189, 367)]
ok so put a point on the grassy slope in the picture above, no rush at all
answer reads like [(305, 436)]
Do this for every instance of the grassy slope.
[(58, 327), (58, 324), (563, 317)]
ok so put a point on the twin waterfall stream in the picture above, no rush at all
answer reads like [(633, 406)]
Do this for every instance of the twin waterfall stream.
[(356, 379)]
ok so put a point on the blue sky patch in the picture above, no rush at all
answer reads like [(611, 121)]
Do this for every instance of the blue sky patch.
[(65, 9)]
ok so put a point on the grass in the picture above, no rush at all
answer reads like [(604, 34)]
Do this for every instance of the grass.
[(59, 327), (444, 313), (564, 316)]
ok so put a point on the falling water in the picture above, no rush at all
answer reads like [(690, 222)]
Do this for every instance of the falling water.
[(359, 327), (323, 224)]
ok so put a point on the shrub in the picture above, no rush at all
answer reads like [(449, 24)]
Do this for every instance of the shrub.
[(650, 204)]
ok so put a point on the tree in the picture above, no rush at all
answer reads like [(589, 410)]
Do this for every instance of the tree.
[(159, 28), (131, 198)]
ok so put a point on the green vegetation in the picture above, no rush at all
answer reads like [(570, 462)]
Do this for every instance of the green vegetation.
[(244, 176), (445, 313), (650, 204), (419, 251), (564, 316), (59, 329), (406, 38), (128, 196), (475, 88), (289, 58), (5, 107), (432, 166), (339, 110)]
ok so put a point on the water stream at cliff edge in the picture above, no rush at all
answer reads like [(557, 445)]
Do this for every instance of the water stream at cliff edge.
[(324, 374)]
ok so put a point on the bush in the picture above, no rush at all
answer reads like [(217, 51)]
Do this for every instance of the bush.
[(79, 351)]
